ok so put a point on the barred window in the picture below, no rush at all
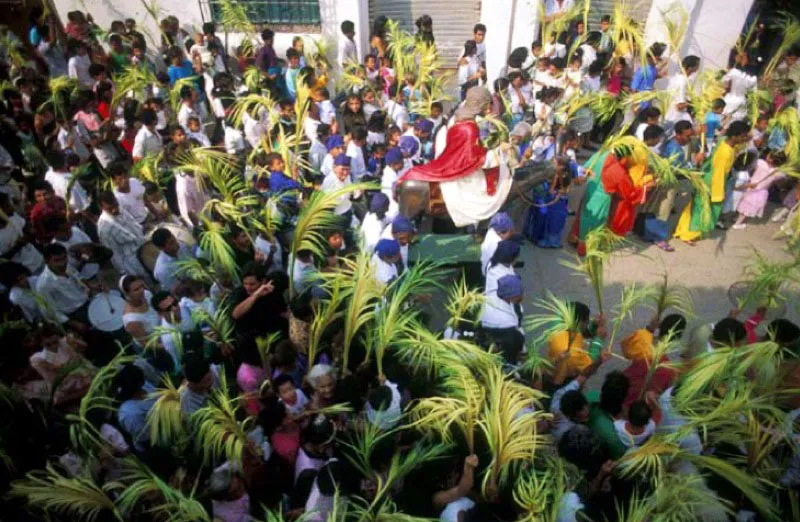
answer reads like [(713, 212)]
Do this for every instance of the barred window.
[(275, 12)]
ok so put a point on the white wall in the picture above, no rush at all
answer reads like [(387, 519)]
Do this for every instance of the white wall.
[(332, 14), (714, 27), (496, 15)]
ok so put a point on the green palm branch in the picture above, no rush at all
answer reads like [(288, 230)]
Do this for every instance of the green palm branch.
[(133, 80), (165, 418), (361, 442), (539, 492), (315, 217), (626, 30), (666, 296), (325, 313), (789, 29), (362, 298), (557, 315), (665, 346), (141, 483), (767, 279), (683, 497), (758, 101), (77, 497), (600, 244), (400, 466), (787, 121), (218, 433), (253, 103), (509, 428), (193, 269), (220, 324), (61, 87), (464, 304), (631, 298), (149, 169), (214, 243), (707, 89), (175, 92)]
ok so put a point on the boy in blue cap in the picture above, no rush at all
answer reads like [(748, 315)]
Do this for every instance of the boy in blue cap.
[(385, 259), (335, 145), (394, 164), (501, 319)]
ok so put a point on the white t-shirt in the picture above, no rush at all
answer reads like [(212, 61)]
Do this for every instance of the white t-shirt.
[(133, 201), (27, 256), (89, 270), (630, 440), (451, 511)]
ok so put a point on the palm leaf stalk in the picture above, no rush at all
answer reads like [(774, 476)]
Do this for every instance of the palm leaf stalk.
[(632, 296), (666, 345), (599, 246), (325, 313), (400, 466), (627, 31), (77, 497), (666, 296), (61, 87), (767, 278), (708, 88), (675, 19), (132, 81), (464, 304), (539, 492)]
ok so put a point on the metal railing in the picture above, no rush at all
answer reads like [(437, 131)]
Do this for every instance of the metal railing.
[(273, 11)]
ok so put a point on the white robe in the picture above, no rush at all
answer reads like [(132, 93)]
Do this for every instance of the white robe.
[(123, 235)]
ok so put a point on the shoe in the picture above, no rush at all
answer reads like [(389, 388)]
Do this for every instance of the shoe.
[(740, 226), (721, 226)]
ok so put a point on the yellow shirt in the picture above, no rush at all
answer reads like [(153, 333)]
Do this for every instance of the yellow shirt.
[(721, 165)]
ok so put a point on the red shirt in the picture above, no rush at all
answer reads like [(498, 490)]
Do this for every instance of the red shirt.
[(41, 213), (104, 110)]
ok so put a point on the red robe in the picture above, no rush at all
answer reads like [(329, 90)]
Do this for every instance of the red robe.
[(462, 156), (625, 196)]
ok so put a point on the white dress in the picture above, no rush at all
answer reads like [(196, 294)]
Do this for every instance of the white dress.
[(736, 99)]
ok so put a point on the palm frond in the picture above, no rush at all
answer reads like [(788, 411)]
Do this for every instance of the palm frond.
[(632, 296), (464, 304), (600, 244), (678, 298), (789, 29), (76, 497), (165, 418), (362, 298)]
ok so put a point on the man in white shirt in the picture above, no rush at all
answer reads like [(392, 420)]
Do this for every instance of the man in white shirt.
[(129, 193), (173, 325), (188, 101), (394, 164), (374, 222), (385, 259), (318, 149), (348, 52), (682, 83), (479, 36), (78, 66), (500, 227), (556, 8), (61, 179), (148, 141), (191, 199), (119, 232), (172, 252), (70, 236), (14, 246), (395, 108), (61, 288), (339, 179)]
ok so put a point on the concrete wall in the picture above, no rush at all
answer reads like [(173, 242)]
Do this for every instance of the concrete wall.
[(509, 24), (188, 12)]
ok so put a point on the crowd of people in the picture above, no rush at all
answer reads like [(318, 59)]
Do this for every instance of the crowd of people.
[(211, 310)]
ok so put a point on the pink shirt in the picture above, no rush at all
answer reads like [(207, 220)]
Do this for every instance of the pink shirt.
[(88, 120), (614, 84)]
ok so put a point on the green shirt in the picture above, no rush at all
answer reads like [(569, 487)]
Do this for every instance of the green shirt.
[(602, 424)]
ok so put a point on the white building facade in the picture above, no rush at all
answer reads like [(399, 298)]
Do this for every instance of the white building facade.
[(714, 25)]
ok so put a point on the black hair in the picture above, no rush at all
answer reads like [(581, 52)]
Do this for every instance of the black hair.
[(108, 198), (292, 53), (639, 414), (613, 392), (582, 312), (195, 368), (501, 84), (745, 160), (271, 415), (682, 126), (479, 27), (778, 157), (649, 113), (393, 88), (127, 382), (719, 103), (348, 27), (518, 57), (56, 159), (513, 75), (285, 354), (160, 237), (690, 62), (148, 117), (572, 402), (209, 28), (186, 92), (596, 67), (359, 132), (674, 323), (11, 272), (128, 280), (52, 250), (380, 398), (437, 105), (653, 132), (96, 69), (727, 331), (737, 128), (784, 332), (470, 48), (280, 380), (253, 269), (657, 49), (329, 477), (157, 298)]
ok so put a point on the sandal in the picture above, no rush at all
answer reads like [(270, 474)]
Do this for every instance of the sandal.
[(666, 247), (691, 242)]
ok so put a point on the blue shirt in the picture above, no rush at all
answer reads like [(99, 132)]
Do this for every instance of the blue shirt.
[(280, 182), (291, 82), (644, 78), (132, 415), (713, 122), (178, 72), (34, 37), (673, 148)]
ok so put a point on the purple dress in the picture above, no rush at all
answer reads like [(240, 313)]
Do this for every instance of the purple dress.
[(755, 199)]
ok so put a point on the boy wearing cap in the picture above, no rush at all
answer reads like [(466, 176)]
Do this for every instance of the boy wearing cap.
[(375, 221), (339, 179), (421, 132), (401, 229), (394, 164), (502, 316), (500, 227), (385, 259), (335, 145)]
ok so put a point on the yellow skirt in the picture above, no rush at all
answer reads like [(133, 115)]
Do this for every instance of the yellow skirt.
[(682, 231)]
